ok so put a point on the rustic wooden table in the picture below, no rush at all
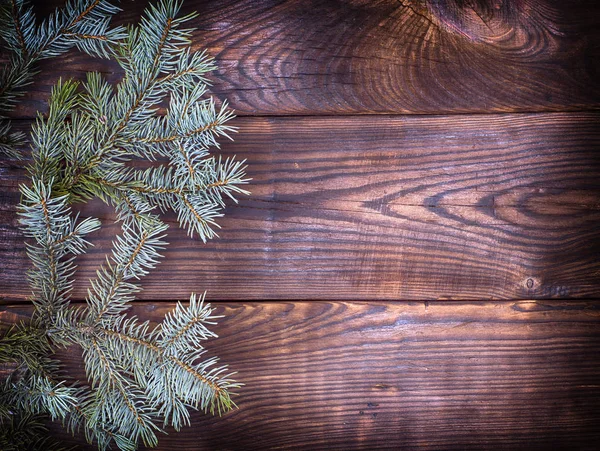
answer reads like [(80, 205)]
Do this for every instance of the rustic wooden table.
[(417, 265)]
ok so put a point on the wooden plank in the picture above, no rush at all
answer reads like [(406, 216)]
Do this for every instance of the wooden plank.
[(345, 375), (448, 207), (290, 57)]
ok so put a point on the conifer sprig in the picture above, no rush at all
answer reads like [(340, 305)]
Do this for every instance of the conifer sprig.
[(141, 378), (84, 24)]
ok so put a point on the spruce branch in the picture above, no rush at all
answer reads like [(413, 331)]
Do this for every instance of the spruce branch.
[(135, 252), (26, 431), (141, 378), (84, 24), (59, 237)]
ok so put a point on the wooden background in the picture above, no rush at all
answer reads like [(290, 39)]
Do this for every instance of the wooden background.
[(417, 265)]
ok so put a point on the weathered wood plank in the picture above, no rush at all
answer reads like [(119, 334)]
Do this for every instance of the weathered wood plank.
[(343, 375), (290, 57), (448, 207)]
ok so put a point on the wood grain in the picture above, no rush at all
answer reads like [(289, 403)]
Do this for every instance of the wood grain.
[(346, 375), (376, 208), (291, 57), (388, 208)]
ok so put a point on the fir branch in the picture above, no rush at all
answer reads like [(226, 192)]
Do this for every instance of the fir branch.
[(161, 355), (119, 400), (26, 431), (10, 141), (16, 16), (61, 30), (187, 324), (81, 23), (59, 237), (26, 346), (134, 253), (87, 147)]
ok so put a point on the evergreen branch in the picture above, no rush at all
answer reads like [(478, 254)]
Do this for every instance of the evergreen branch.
[(110, 383), (26, 431), (212, 126), (130, 337), (10, 142), (130, 332), (174, 76), (161, 354), (137, 213), (113, 378), (182, 319), (197, 375), (57, 235), (133, 254), (75, 25), (187, 158), (143, 89), (167, 343), (34, 391), (85, 13), (189, 69), (87, 147), (14, 77), (196, 216), (94, 430), (55, 399), (77, 16), (26, 346), (192, 322), (127, 338), (17, 24), (86, 36), (163, 39), (140, 188), (222, 177)]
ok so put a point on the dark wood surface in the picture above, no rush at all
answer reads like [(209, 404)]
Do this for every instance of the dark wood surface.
[(439, 375), (384, 56), (436, 207), (438, 198)]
